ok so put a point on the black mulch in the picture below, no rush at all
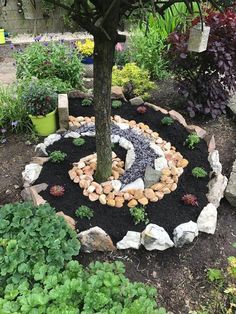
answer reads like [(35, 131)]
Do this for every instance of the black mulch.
[(168, 213)]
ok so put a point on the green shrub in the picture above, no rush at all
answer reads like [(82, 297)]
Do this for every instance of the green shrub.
[(137, 77), (38, 98), (84, 212), (167, 121), (139, 215), (116, 104), (192, 140), (55, 60), (78, 141), (30, 237), (199, 172), (57, 156), (86, 102)]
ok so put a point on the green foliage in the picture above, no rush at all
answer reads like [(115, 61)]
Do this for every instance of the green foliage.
[(192, 140), (199, 172), (84, 212), (57, 156), (139, 215), (78, 141), (86, 102), (214, 274), (132, 74), (167, 121), (31, 237), (54, 60), (38, 98), (116, 104), (13, 116)]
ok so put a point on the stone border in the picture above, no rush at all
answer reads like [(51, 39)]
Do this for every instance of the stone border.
[(153, 237)]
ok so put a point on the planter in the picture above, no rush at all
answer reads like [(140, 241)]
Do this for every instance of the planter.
[(198, 38), (87, 60), (45, 125), (2, 36)]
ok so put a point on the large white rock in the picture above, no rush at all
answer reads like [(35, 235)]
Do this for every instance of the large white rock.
[(41, 149), (88, 133), (207, 219), (31, 173), (116, 184), (136, 185), (122, 126), (185, 233), (123, 142), (214, 161), (160, 163), (131, 240), (155, 237), (52, 138), (72, 134), (95, 239), (130, 158), (157, 149), (216, 187), (115, 138), (230, 192)]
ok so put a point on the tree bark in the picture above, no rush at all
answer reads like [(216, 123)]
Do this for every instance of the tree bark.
[(103, 62)]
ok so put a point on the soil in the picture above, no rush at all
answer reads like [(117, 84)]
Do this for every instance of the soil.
[(168, 213), (178, 274)]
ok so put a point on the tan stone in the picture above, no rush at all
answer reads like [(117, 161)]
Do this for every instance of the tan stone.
[(156, 108), (111, 202), (117, 93), (132, 203), (102, 199), (87, 120), (119, 201), (85, 192), (93, 197), (194, 128), (79, 171), (160, 195), (143, 201), (182, 163), (91, 189), (128, 196), (173, 187), (99, 189), (174, 171), (81, 164), (169, 180), (80, 119), (40, 160), (72, 118), (163, 178), (115, 174), (166, 190), (37, 199), (107, 188), (68, 219), (177, 116), (166, 172), (157, 186), (154, 199), (111, 196), (93, 165), (72, 174), (84, 184), (87, 158), (138, 194), (76, 179), (176, 179), (149, 193)]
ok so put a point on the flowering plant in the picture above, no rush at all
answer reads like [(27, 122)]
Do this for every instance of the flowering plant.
[(38, 98), (86, 48)]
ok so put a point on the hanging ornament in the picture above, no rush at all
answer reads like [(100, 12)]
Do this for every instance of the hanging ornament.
[(198, 38)]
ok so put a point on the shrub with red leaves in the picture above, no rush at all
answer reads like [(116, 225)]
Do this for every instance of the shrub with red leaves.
[(57, 190), (141, 109), (206, 79), (190, 199)]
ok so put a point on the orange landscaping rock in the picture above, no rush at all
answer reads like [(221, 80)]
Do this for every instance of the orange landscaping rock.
[(132, 203), (143, 201)]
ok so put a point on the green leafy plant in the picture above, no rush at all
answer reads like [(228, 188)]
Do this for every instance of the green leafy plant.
[(79, 141), (54, 60), (167, 121), (134, 76), (86, 102), (199, 172), (214, 274), (192, 140), (84, 212), (38, 98), (139, 215), (116, 104), (57, 156)]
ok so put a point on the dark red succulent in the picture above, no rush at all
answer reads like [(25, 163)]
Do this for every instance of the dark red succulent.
[(190, 199), (141, 109), (57, 190)]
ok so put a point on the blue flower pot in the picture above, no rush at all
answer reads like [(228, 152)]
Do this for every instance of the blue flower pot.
[(87, 60)]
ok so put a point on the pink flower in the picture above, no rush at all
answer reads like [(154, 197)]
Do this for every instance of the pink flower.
[(119, 47)]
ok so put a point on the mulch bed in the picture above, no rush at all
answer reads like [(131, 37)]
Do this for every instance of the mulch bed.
[(168, 213)]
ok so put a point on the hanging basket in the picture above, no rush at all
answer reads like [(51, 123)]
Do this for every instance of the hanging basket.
[(198, 38)]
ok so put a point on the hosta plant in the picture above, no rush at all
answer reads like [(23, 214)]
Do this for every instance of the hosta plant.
[(57, 190), (84, 212), (190, 199), (199, 172), (206, 79), (57, 156), (192, 140), (79, 141)]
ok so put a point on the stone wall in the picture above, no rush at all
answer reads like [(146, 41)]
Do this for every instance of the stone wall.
[(14, 22)]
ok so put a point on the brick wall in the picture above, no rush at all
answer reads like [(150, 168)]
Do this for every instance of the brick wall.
[(14, 22)]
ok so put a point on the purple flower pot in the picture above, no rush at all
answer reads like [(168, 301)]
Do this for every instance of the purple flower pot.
[(87, 60)]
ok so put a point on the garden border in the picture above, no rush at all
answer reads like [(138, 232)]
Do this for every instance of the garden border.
[(183, 233)]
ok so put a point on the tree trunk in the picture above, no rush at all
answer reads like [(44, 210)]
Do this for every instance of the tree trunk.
[(103, 62)]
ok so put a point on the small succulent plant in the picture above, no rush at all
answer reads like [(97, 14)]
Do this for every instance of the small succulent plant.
[(192, 140), (78, 141), (141, 109), (167, 121), (116, 104), (199, 172), (86, 102), (57, 156), (84, 212), (57, 190), (190, 199)]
